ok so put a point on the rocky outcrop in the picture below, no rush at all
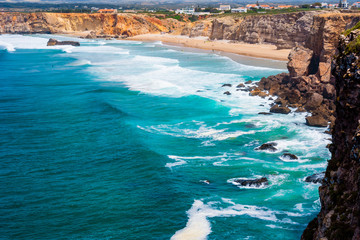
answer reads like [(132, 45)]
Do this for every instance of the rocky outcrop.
[(309, 85), (54, 42), (259, 182), (315, 178), (268, 147), (105, 25), (339, 217)]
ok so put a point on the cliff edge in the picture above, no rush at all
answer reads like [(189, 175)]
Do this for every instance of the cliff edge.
[(339, 217)]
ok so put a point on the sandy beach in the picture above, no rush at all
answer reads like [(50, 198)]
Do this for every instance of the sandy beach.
[(252, 50)]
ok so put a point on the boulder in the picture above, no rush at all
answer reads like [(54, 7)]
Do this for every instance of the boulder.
[(227, 93), (316, 121), (255, 92), (324, 71), (54, 42), (270, 146), (241, 85), (313, 101), (226, 85), (315, 178), (278, 109), (329, 91), (299, 61), (289, 156), (263, 94), (265, 113), (252, 182), (300, 109)]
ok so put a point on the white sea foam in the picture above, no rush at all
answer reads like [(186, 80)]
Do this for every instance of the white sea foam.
[(198, 226), (197, 131), (80, 63), (179, 160), (7, 46)]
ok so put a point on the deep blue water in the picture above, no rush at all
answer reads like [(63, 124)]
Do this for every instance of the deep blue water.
[(113, 140)]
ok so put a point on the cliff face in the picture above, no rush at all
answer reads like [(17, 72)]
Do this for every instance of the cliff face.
[(98, 24), (309, 78), (339, 217), (282, 30)]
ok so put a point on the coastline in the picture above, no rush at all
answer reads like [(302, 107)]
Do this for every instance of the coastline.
[(252, 50)]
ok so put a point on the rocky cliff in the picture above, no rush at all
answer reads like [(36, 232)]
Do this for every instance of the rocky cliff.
[(112, 25), (309, 85), (339, 217), (282, 30)]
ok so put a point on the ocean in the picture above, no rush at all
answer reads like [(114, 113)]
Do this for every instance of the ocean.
[(137, 140)]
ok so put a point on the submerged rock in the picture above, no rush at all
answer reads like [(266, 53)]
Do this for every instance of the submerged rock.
[(241, 85), (251, 182), (227, 93), (226, 85), (54, 42), (289, 156), (268, 146), (265, 113), (315, 178)]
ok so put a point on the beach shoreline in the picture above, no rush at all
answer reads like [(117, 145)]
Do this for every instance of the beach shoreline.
[(252, 50)]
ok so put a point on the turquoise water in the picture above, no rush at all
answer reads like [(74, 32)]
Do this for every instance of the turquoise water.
[(114, 139)]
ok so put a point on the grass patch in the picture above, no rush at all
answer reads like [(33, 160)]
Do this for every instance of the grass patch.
[(347, 32), (353, 46)]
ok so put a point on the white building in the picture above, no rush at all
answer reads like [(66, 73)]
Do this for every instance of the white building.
[(324, 5), (343, 4), (185, 11), (239, 10), (225, 7)]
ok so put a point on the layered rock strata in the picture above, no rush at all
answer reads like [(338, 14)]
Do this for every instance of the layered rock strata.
[(103, 25), (339, 217)]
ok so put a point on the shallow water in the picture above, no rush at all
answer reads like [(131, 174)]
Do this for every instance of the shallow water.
[(115, 139)]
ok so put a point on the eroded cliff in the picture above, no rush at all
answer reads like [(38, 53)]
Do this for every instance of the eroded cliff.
[(112, 25), (309, 85), (339, 217)]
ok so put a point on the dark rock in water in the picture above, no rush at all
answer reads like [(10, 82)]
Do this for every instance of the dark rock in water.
[(252, 182), (227, 93), (270, 98), (316, 121), (54, 42), (264, 113), (241, 85), (248, 82), (289, 156), (226, 85), (250, 125), (268, 146), (315, 178), (282, 110)]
